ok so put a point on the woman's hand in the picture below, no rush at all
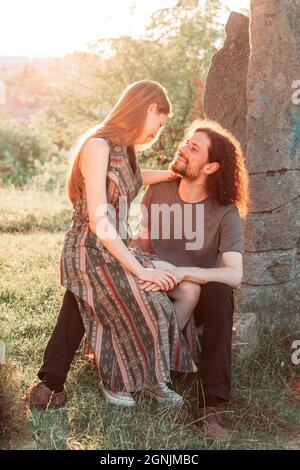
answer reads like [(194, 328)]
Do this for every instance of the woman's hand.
[(180, 273), (156, 279), (171, 175)]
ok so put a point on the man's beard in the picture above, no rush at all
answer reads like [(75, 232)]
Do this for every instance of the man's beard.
[(179, 168), (182, 169)]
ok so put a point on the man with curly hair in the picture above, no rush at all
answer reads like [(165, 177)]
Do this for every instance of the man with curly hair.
[(210, 187), (211, 172)]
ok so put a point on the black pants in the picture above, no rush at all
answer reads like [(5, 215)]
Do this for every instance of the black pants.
[(214, 311)]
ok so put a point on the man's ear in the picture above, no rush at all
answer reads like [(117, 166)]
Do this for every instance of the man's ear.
[(212, 168)]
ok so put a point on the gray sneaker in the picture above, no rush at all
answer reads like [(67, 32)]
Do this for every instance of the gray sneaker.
[(164, 395), (118, 398)]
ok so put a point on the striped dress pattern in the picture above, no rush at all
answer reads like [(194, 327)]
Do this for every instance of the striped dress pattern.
[(132, 335)]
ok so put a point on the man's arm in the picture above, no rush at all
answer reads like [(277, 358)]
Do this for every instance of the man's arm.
[(230, 272), (230, 247)]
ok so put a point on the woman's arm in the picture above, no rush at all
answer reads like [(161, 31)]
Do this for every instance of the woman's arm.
[(157, 176), (96, 156)]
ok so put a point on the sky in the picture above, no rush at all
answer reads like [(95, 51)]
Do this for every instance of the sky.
[(41, 28)]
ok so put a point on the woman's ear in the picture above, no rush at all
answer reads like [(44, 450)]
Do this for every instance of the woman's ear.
[(152, 107)]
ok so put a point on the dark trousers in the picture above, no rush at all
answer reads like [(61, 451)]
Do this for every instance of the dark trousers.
[(214, 311), (63, 343)]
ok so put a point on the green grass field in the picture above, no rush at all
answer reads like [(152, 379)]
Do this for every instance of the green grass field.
[(263, 412)]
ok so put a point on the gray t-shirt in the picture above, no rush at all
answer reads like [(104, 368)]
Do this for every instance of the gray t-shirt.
[(191, 234)]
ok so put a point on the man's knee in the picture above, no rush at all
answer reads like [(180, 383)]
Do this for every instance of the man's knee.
[(218, 288), (189, 290), (216, 299)]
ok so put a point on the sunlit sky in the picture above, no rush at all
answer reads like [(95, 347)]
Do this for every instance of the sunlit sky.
[(42, 28)]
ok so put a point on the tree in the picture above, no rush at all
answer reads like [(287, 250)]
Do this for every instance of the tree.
[(176, 51)]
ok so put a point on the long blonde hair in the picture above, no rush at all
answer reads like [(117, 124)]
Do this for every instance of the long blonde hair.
[(122, 125)]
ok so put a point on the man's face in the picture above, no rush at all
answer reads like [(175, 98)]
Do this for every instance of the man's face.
[(192, 156)]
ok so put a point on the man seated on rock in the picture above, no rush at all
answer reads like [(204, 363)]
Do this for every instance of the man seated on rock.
[(208, 200)]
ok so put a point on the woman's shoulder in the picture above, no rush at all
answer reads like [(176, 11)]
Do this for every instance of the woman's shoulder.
[(94, 146), (97, 142), (115, 148)]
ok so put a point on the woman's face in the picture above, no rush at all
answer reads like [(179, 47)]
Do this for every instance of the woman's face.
[(154, 122)]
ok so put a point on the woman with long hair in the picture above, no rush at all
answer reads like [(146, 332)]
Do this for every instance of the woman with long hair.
[(133, 335)]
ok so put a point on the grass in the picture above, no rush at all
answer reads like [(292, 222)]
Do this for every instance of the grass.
[(263, 412), (29, 211)]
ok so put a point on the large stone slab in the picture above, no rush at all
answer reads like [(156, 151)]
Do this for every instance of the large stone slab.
[(270, 268), (266, 234), (270, 191), (262, 108), (273, 150), (245, 334), (277, 307), (225, 86), (273, 120)]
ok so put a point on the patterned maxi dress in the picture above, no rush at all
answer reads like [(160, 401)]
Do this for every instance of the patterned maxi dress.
[(133, 335)]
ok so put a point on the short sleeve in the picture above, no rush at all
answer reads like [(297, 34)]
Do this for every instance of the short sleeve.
[(231, 232)]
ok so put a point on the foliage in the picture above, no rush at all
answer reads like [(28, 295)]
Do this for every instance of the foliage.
[(18, 152), (175, 50)]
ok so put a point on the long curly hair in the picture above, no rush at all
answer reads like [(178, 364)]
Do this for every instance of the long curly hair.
[(230, 183)]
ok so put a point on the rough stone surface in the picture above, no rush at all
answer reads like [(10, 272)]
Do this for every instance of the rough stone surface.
[(270, 268), (225, 85), (276, 306), (269, 192), (245, 337), (265, 233), (270, 113), (273, 121)]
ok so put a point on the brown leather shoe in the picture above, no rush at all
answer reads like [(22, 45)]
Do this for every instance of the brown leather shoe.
[(41, 397), (213, 424)]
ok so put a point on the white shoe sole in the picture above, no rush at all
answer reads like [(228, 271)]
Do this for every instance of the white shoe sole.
[(125, 402)]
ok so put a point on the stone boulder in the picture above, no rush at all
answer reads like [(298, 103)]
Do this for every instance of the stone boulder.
[(252, 91), (225, 85)]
